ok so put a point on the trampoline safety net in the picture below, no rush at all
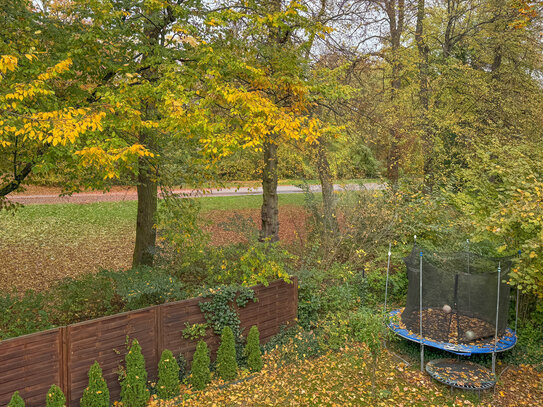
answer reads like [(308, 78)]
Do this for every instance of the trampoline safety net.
[(459, 295)]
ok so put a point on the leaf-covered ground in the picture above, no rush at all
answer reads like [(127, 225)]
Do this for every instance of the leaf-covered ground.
[(41, 244), (344, 379)]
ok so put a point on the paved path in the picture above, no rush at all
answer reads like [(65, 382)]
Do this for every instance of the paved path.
[(131, 195)]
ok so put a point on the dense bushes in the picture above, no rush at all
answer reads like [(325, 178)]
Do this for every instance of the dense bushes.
[(143, 286), (322, 291), (23, 314), (89, 296)]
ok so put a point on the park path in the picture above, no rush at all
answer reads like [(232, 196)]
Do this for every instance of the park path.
[(51, 195)]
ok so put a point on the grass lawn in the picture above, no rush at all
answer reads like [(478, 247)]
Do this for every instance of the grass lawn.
[(344, 379), (41, 244)]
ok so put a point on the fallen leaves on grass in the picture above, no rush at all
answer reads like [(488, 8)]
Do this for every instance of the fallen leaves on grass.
[(520, 386), (335, 379)]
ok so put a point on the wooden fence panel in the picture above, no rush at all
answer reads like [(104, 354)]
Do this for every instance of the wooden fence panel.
[(277, 305), (63, 356), (174, 317), (104, 340), (30, 364)]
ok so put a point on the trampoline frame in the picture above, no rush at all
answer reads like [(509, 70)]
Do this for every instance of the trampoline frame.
[(505, 342)]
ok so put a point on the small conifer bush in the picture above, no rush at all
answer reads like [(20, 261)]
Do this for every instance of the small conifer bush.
[(16, 400), (252, 350), (134, 392), (200, 374), (55, 397), (96, 394), (227, 365), (168, 376)]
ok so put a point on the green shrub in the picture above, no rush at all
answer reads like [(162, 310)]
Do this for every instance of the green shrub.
[(328, 290), (134, 392), (22, 315), (374, 287), (55, 397), (259, 263), (528, 349), (97, 393), (143, 286), (369, 328), (168, 376), (252, 350), (335, 331), (16, 400), (87, 297), (200, 374), (227, 365)]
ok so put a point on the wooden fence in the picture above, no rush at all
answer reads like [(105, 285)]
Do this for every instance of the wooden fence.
[(63, 356)]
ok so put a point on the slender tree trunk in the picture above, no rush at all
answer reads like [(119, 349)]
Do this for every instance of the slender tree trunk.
[(423, 54), (396, 12), (423, 92), (327, 186), (145, 247), (270, 209)]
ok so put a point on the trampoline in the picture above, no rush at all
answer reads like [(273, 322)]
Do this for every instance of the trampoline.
[(457, 302), (505, 342)]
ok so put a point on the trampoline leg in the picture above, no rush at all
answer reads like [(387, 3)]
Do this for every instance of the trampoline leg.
[(422, 357)]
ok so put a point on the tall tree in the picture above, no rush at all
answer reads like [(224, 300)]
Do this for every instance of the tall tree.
[(265, 43), (136, 42)]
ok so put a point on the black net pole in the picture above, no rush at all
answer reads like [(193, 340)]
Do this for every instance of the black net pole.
[(497, 319), (456, 308), (388, 270)]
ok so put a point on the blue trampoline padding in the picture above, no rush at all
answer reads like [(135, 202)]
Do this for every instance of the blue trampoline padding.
[(506, 341)]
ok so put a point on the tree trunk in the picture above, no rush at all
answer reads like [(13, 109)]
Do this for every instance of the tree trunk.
[(145, 247), (395, 10), (327, 186), (270, 209), (423, 93)]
